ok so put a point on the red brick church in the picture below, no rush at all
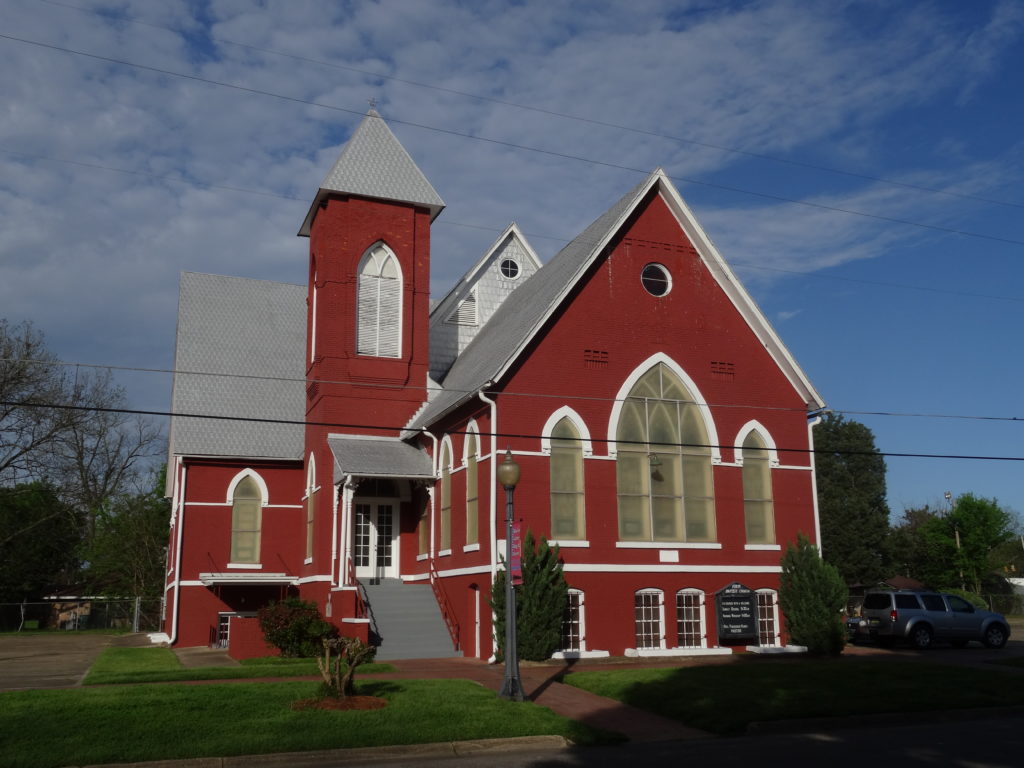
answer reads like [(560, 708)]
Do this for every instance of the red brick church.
[(339, 440)]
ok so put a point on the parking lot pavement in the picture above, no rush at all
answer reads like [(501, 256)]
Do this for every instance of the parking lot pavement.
[(51, 659)]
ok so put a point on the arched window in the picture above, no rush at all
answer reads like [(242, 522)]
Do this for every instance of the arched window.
[(310, 506), (446, 498), (690, 618), (246, 517), (649, 618), (767, 617), (380, 304), (566, 482), (757, 491), (573, 627), (472, 506), (663, 466)]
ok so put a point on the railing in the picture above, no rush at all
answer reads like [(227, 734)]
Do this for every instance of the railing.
[(352, 581), (446, 607)]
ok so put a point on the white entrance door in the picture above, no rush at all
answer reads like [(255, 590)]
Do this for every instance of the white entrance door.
[(375, 548)]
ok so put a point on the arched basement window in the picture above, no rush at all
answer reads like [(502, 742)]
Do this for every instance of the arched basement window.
[(246, 516), (380, 304), (566, 482), (663, 466), (757, 491)]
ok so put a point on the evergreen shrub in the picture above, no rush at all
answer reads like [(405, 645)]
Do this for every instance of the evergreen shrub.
[(812, 596), (295, 627)]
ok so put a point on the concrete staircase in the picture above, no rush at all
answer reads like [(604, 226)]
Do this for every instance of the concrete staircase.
[(406, 622)]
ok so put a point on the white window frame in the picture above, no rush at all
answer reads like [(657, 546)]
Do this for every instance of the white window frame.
[(762, 615), (581, 621), (701, 617), (650, 591)]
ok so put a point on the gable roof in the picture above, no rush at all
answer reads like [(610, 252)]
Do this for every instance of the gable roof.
[(499, 344), (374, 163), (253, 333)]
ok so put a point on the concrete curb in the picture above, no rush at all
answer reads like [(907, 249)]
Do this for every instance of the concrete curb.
[(328, 757)]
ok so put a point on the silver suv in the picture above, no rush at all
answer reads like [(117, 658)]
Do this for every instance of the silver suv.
[(921, 617)]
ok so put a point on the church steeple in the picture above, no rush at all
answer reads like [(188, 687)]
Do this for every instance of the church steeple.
[(374, 164), (369, 288)]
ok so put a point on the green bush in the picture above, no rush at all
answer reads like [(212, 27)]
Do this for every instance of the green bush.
[(812, 596), (295, 627), (540, 602)]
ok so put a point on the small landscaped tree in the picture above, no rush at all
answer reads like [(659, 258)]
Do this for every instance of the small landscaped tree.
[(295, 627), (341, 656), (812, 596), (540, 602)]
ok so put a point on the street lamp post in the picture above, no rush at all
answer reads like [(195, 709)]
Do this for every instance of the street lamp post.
[(511, 687), (956, 532)]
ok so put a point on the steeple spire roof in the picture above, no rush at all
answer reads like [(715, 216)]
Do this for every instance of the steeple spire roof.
[(374, 164)]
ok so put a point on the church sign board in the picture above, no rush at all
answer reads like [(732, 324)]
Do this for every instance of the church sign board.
[(737, 613)]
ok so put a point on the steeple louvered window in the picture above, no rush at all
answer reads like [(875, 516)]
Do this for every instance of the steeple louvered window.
[(465, 313), (380, 304)]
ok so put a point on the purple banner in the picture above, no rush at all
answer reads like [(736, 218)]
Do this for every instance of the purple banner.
[(517, 555)]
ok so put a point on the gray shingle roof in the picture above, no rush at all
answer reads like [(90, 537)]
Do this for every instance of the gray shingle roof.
[(518, 318), (377, 457), (242, 327), (374, 164)]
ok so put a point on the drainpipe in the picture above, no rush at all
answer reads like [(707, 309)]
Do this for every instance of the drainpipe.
[(492, 514), (433, 468), (335, 562), (815, 419), (177, 557)]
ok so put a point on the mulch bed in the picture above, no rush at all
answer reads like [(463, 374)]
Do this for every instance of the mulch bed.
[(349, 702)]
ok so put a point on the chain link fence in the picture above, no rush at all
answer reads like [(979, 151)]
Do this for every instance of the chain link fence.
[(134, 614)]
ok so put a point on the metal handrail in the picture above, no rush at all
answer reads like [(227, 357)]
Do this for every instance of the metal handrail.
[(360, 599), (447, 613)]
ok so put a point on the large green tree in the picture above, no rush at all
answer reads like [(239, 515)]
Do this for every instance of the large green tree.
[(65, 428), (40, 539), (959, 548), (128, 550), (851, 499), (540, 602)]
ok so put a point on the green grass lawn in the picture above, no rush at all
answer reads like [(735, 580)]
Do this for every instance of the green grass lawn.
[(726, 698), (158, 665), (150, 722)]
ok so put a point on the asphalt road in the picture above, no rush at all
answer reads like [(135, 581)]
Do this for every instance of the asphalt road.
[(966, 742)]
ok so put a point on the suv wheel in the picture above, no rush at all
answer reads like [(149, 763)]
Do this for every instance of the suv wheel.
[(921, 636), (995, 636)]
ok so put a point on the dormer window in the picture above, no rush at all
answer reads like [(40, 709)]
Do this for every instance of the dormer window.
[(380, 304)]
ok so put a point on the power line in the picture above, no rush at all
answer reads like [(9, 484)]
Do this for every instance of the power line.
[(549, 112), (510, 435), (504, 393), (526, 148), (449, 222)]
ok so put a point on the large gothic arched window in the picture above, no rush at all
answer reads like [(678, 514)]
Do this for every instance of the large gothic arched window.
[(664, 463), (246, 519), (380, 304)]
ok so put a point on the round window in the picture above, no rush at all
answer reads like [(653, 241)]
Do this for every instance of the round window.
[(509, 268), (656, 279)]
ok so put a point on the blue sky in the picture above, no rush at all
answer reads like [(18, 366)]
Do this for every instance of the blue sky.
[(904, 112)]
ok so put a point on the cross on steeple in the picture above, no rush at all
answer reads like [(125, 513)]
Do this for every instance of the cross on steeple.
[(372, 102)]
